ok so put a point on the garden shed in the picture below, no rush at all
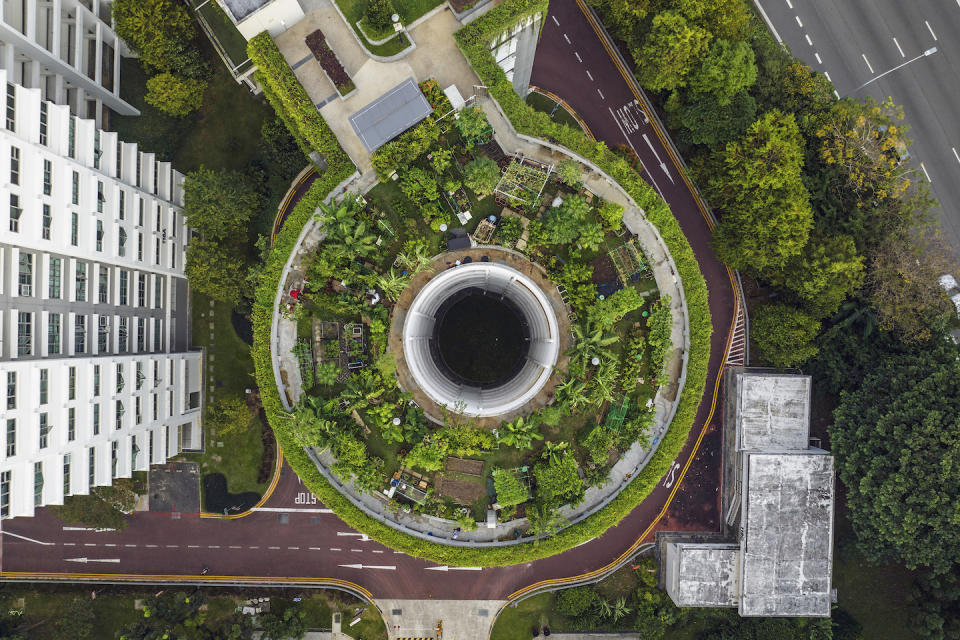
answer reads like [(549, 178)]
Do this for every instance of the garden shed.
[(390, 115)]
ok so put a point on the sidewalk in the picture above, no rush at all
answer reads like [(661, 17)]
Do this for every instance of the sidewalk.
[(461, 619)]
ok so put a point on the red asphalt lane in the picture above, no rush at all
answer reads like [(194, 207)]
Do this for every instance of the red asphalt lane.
[(309, 545)]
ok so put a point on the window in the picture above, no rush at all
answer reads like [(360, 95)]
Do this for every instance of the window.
[(96, 419), (173, 224), (139, 246), (140, 375), (157, 292), (71, 424), (103, 334), (156, 251), (96, 380), (142, 290), (53, 334), (99, 235), (80, 277), (37, 484), (14, 165), (104, 285), (134, 452), (11, 437), (72, 383), (159, 217), (74, 228), (140, 214), (72, 138), (5, 482), (24, 333), (120, 381), (119, 415), (141, 335), (122, 207), (66, 474), (43, 123), (25, 278), (139, 166), (114, 447), (97, 151), (44, 431), (122, 334), (124, 286), (92, 466), (100, 198), (173, 256), (76, 188), (157, 334), (150, 445), (156, 174), (11, 389), (53, 278), (44, 385), (47, 221), (80, 334), (15, 212), (156, 406), (122, 243), (137, 411), (47, 177), (11, 107), (156, 374)]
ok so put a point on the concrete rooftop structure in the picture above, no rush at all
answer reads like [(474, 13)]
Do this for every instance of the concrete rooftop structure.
[(390, 115), (787, 541), (772, 411), (703, 575), (240, 9)]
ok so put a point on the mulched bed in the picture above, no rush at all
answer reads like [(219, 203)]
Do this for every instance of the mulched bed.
[(603, 270), (471, 467), (462, 491), (462, 5), (317, 43)]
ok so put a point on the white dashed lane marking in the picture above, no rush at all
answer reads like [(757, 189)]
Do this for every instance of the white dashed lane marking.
[(567, 39)]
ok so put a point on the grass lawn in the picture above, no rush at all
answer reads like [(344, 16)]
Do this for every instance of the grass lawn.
[(320, 606), (557, 112), (234, 44), (239, 457), (45, 608), (515, 622), (353, 11)]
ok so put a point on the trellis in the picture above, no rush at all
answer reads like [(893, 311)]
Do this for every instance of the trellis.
[(628, 261), (523, 180), (616, 415)]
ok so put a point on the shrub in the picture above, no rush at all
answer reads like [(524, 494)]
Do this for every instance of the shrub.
[(576, 601), (784, 335), (481, 175), (472, 124), (405, 149), (419, 185), (226, 415), (327, 374), (570, 172), (598, 444), (659, 324), (328, 60), (378, 14), (175, 95), (510, 491), (611, 214)]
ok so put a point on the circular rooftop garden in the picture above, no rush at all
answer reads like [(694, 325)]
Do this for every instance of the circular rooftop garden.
[(478, 337)]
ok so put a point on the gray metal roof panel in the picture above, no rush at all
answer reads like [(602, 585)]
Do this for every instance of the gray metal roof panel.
[(390, 115)]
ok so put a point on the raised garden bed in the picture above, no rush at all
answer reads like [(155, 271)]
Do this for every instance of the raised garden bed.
[(330, 63)]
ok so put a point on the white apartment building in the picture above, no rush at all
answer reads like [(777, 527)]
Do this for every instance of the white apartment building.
[(96, 377), (67, 49)]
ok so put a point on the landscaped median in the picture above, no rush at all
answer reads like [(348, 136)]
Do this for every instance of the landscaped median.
[(290, 100)]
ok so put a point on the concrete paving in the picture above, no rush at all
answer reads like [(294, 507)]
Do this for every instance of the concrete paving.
[(461, 619)]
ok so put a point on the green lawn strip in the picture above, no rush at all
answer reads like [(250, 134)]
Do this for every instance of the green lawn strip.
[(112, 611), (353, 11), (290, 100), (515, 623), (547, 105), (226, 33)]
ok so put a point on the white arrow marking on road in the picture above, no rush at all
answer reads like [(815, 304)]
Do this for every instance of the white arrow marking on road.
[(86, 529), (663, 165), (27, 539), (954, 149), (363, 537), (86, 560), (671, 475), (446, 568), (291, 510), (369, 566)]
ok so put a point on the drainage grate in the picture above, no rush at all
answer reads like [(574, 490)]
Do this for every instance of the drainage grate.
[(483, 613), (283, 518), (316, 520), (396, 612)]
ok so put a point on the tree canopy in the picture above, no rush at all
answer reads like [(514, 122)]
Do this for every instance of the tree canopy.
[(784, 335)]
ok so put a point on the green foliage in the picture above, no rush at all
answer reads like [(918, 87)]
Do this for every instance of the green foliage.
[(557, 480), (401, 152), (570, 172), (565, 223), (783, 335), (655, 613), (481, 176), (102, 508), (905, 414), (591, 236), (161, 32), (175, 95), (279, 150), (727, 69), (659, 325), (348, 235), (472, 124), (576, 601), (767, 216), (824, 274), (710, 123), (544, 521), (77, 622), (219, 204), (520, 432), (590, 342), (294, 106), (441, 160), (510, 491), (288, 625), (611, 214), (378, 14), (418, 185), (169, 614), (327, 373), (509, 230), (225, 415), (609, 311), (672, 50), (598, 443), (212, 269), (577, 279)]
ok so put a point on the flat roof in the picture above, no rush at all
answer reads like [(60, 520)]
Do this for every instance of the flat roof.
[(707, 575), (242, 8), (390, 115), (772, 411), (787, 541)]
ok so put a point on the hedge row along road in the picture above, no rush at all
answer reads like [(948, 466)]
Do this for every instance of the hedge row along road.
[(313, 544)]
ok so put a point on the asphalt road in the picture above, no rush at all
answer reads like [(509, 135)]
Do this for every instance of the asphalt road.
[(854, 41), (314, 545)]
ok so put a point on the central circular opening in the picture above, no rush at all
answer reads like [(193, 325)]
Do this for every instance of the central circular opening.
[(481, 338)]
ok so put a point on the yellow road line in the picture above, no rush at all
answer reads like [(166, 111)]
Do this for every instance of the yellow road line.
[(278, 465), (567, 107), (304, 175)]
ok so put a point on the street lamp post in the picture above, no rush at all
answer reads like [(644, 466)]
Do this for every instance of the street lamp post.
[(928, 52)]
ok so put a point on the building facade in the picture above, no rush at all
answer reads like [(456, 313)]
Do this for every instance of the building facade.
[(68, 50), (98, 379)]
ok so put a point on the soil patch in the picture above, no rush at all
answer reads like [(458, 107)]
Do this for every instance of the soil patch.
[(471, 467), (603, 270), (217, 499), (461, 491)]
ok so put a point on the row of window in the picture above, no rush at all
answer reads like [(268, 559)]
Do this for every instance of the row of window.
[(67, 467), (26, 279), (139, 373), (26, 344)]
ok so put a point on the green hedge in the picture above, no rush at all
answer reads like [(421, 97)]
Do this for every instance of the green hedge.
[(291, 102), (473, 40)]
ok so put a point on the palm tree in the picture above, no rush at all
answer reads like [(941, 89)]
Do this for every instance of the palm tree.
[(392, 284), (554, 450), (347, 235), (604, 608), (620, 609), (416, 262), (590, 343), (544, 520), (591, 237), (603, 385), (520, 433), (573, 392)]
